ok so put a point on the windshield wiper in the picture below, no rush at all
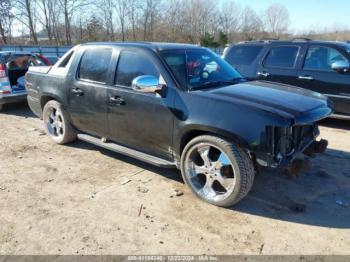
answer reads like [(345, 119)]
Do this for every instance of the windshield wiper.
[(217, 83)]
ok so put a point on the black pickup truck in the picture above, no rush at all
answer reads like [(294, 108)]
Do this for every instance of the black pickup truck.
[(176, 105)]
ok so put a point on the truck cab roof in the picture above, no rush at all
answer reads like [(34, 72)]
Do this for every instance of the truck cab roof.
[(149, 45)]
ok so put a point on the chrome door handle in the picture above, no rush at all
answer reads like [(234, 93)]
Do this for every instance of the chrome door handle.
[(116, 100), (306, 78), (77, 92), (264, 74)]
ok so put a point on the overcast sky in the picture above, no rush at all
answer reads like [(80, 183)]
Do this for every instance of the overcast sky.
[(306, 14)]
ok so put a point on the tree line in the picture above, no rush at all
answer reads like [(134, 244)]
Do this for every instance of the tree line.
[(205, 22)]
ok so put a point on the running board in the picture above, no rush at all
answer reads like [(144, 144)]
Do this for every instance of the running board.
[(127, 151), (341, 117)]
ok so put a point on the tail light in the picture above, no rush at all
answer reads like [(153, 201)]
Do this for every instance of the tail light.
[(2, 71), (5, 87)]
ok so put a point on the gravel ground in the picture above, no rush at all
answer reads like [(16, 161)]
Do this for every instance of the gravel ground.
[(79, 199)]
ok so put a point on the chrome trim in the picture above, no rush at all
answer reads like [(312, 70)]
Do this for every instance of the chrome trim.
[(337, 116), (342, 95)]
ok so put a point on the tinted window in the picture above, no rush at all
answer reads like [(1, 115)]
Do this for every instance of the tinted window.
[(319, 57), (94, 64), (133, 64), (282, 56), (65, 62), (243, 55), (200, 68)]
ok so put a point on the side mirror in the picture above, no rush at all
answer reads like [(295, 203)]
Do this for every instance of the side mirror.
[(148, 84), (341, 66)]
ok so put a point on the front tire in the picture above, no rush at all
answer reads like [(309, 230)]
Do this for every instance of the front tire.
[(217, 171), (56, 123)]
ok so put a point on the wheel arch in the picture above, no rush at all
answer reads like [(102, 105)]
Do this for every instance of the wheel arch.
[(46, 98), (190, 133)]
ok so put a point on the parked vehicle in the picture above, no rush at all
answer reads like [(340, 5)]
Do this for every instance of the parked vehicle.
[(13, 66), (52, 59), (176, 105), (320, 66)]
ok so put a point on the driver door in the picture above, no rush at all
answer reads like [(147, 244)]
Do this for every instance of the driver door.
[(142, 121)]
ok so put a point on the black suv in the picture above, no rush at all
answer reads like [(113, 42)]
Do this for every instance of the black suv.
[(176, 105), (320, 66)]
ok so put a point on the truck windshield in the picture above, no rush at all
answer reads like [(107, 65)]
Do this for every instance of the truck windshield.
[(200, 68)]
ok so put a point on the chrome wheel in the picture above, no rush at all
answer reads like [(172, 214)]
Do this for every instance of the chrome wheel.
[(210, 172), (54, 123)]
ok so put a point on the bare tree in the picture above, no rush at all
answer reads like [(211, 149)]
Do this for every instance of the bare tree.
[(70, 21), (55, 11), (276, 20), (122, 11), (107, 8), (70, 8), (149, 19), (45, 18), (230, 17), (134, 14), (251, 25), (26, 13), (5, 19)]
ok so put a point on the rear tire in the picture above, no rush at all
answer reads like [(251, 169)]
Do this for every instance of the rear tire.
[(1, 107), (56, 123), (217, 171)]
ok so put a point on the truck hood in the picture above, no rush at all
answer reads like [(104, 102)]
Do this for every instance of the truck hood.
[(303, 106)]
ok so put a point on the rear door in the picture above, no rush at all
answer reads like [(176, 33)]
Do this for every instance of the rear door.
[(143, 121), (316, 74), (279, 64), (244, 58), (87, 96)]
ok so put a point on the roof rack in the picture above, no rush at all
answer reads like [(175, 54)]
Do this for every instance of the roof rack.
[(302, 39), (257, 41), (269, 39)]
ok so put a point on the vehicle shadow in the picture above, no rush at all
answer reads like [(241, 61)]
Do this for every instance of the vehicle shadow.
[(18, 109), (170, 173), (335, 123), (317, 197)]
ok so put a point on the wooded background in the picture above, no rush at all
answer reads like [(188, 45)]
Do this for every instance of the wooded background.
[(207, 22)]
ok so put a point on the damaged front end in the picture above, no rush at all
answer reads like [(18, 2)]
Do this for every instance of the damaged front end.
[(285, 144)]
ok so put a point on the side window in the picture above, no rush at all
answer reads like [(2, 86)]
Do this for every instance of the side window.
[(65, 62), (94, 65), (243, 55), (282, 56), (133, 64), (322, 58)]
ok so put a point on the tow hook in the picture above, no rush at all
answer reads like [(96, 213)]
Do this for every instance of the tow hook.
[(317, 147)]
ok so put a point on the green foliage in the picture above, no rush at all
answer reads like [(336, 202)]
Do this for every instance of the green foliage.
[(223, 39), (208, 40)]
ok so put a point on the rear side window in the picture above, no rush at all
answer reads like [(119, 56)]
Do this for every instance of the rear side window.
[(94, 65), (243, 55), (282, 56), (322, 58), (65, 62), (133, 64)]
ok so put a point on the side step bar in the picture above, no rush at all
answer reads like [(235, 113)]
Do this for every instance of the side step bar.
[(341, 117), (127, 151)]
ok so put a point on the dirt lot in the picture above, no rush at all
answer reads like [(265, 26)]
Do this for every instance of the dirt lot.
[(76, 199)]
